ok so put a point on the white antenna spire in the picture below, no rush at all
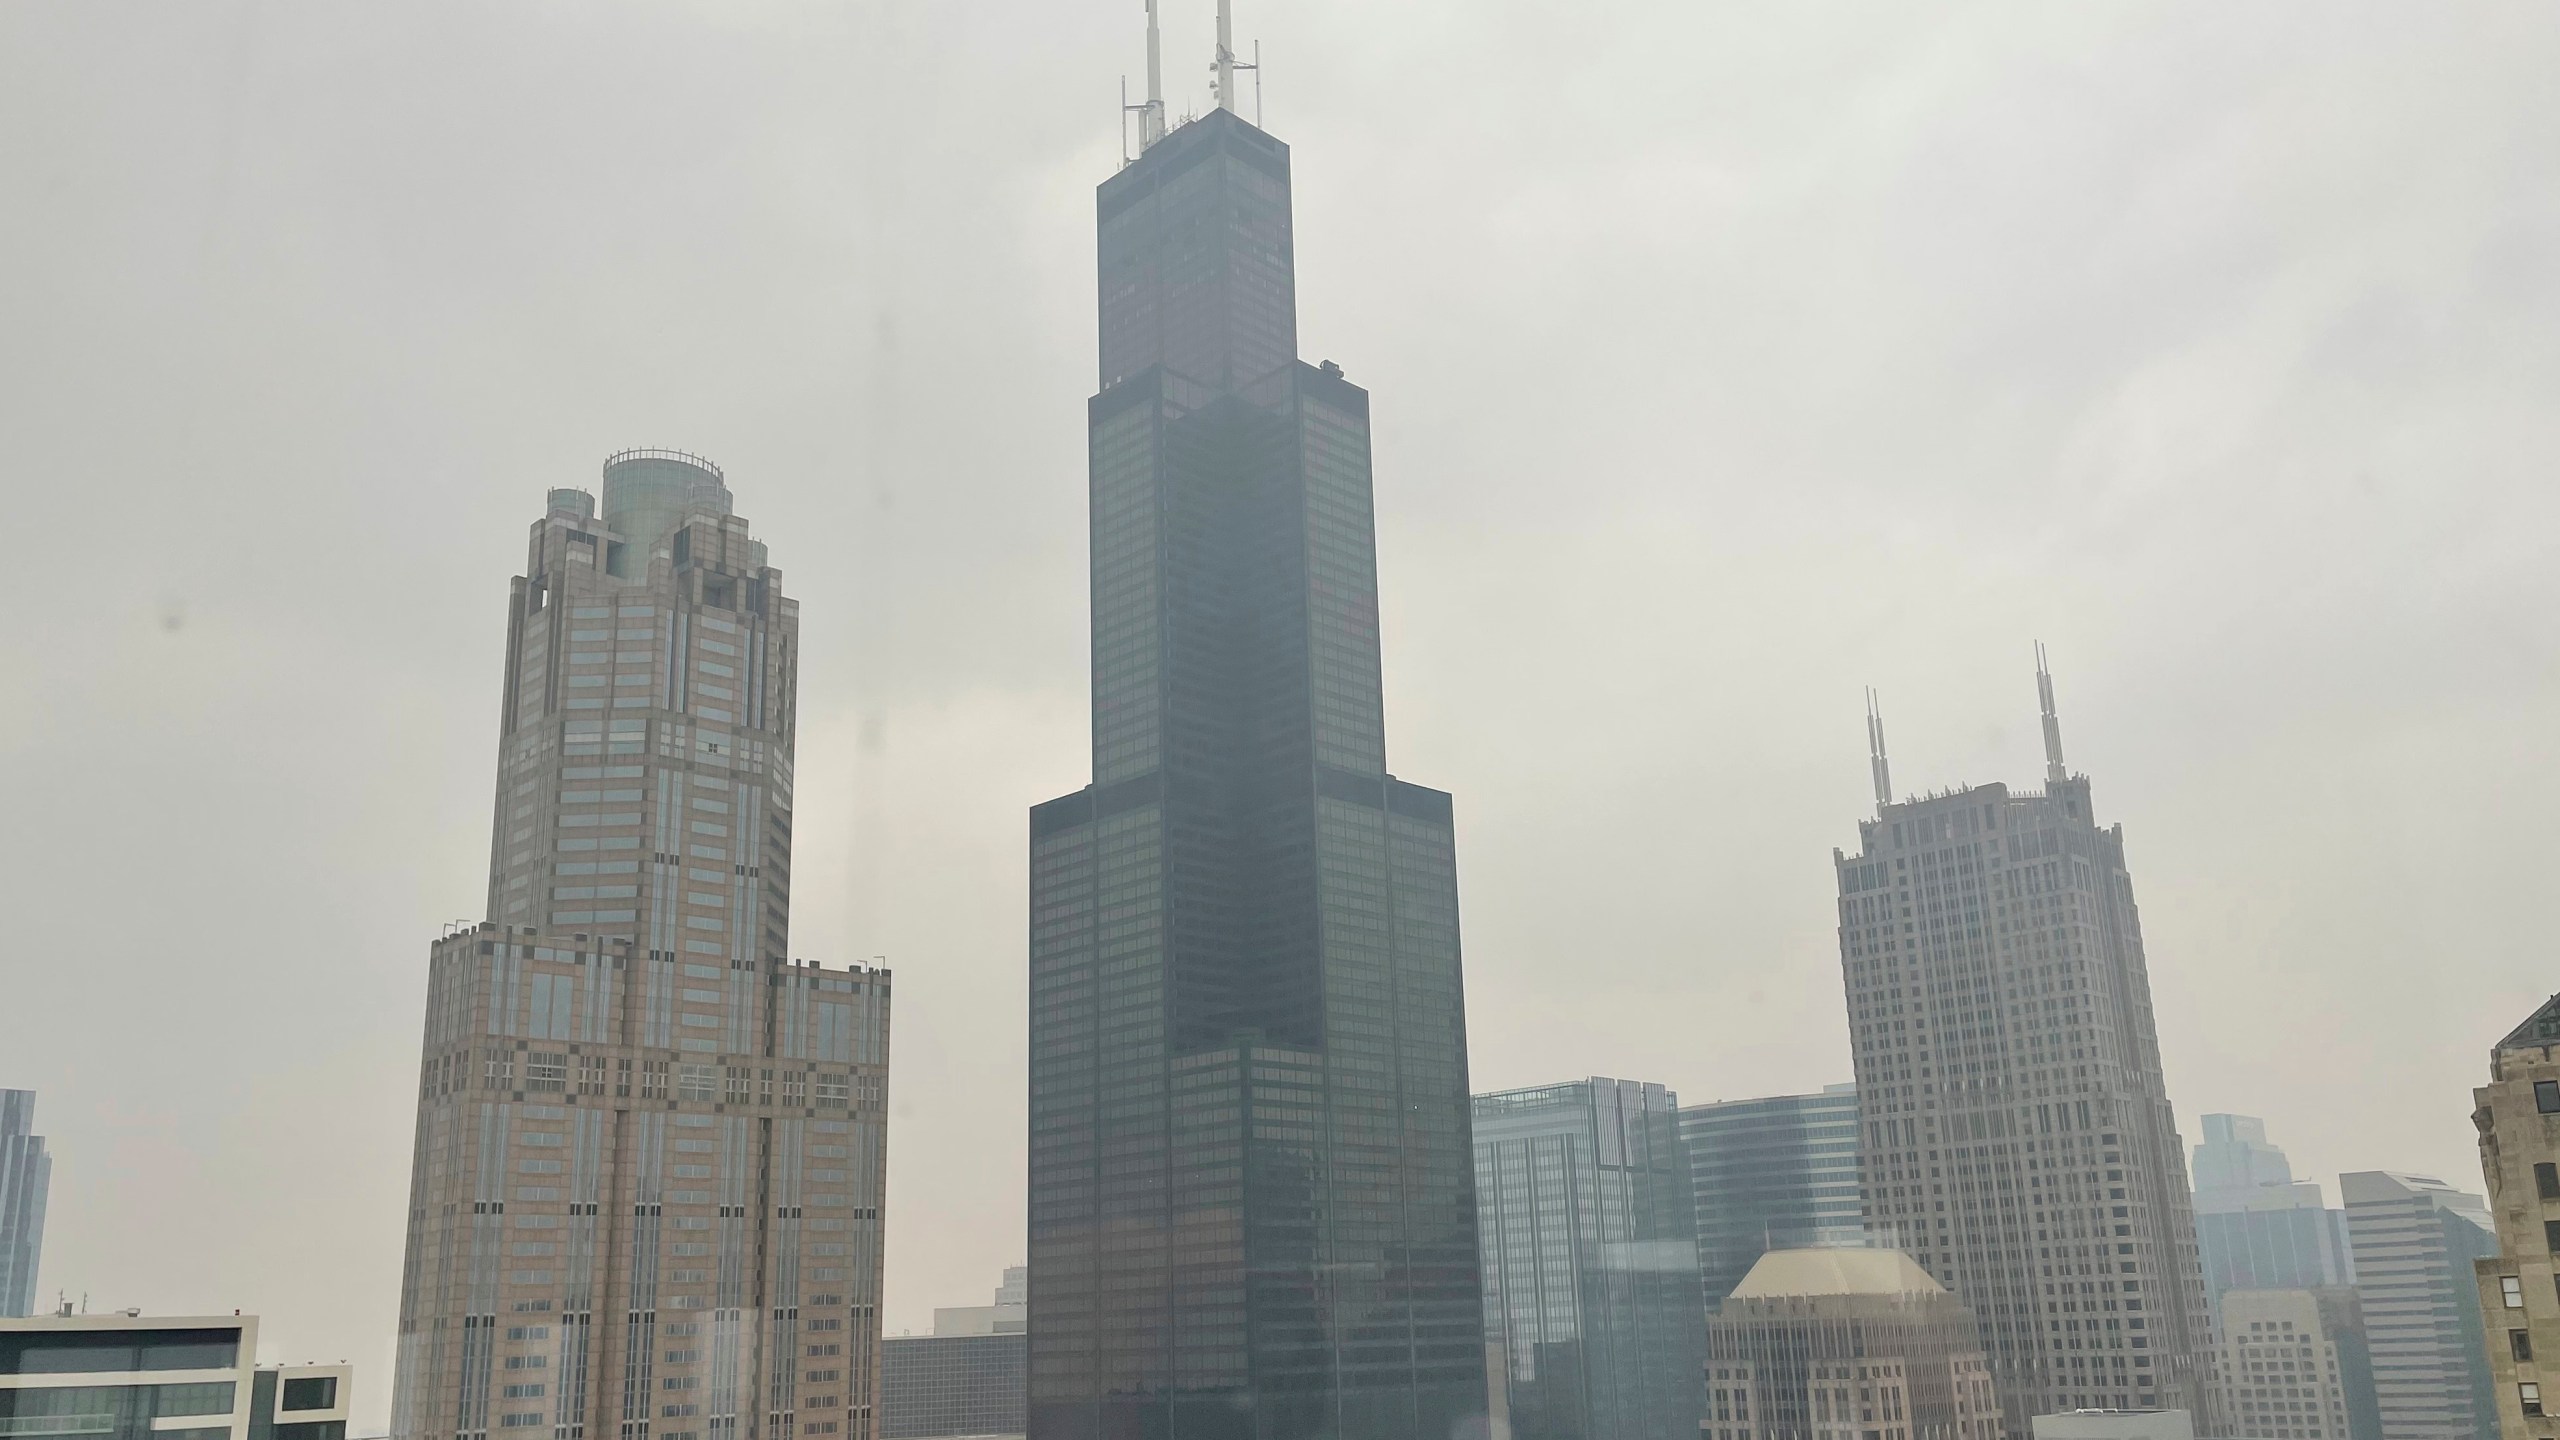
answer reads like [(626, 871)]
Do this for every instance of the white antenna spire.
[(1224, 67), (1875, 752), (2054, 773), (1151, 114)]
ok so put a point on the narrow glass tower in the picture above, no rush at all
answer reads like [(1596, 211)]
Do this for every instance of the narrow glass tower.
[(1252, 1201)]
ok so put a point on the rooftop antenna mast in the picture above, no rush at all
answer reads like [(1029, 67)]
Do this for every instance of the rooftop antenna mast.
[(1224, 67), (1150, 113), (1876, 765), (2054, 773)]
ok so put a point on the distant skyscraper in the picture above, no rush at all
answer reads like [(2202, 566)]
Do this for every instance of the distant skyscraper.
[(1771, 1174), (1252, 1187), (2297, 1365), (2257, 1227), (645, 1198), (2518, 1117), (1839, 1343), (26, 1172), (1590, 1261), (1004, 1317), (2017, 1132), (2415, 1238)]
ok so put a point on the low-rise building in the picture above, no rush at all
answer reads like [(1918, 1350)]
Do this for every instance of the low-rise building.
[(1852, 1344), (133, 1377), (2415, 1239), (2116, 1425)]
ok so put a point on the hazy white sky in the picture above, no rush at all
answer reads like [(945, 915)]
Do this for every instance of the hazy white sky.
[(1727, 359)]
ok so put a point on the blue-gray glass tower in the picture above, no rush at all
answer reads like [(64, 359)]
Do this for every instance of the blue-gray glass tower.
[(26, 1174), (1252, 1202), (1591, 1261), (1776, 1173)]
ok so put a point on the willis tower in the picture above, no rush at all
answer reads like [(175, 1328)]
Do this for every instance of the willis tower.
[(1252, 1195)]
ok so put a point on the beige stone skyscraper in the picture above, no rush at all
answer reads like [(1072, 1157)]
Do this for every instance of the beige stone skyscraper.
[(2015, 1132), (2518, 1116), (645, 1199)]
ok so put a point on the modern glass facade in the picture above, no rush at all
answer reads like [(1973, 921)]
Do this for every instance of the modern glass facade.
[(1590, 1261), (26, 1174), (1771, 1174), (936, 1385), (2257, 1227), (1252, 1203), (124, 1377)]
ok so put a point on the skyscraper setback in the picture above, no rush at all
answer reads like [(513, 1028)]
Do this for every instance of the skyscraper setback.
[(645, 1199), (1251, 1194), (2017, 1137)]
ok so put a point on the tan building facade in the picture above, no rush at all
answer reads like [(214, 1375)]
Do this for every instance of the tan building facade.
[(651, 1148), (2294, 1365), (1845, 1344), (2518, 1115)]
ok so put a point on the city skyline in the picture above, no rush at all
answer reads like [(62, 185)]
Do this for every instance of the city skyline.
[(320, 313)]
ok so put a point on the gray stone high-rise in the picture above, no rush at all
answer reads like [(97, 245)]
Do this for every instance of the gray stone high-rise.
[(1251, 1188), (26, 1174), (645, 1197), (2016, 1129)]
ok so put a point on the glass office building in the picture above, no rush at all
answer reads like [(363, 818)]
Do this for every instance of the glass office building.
[(2257, 1227), (2415, 1239), (1590, 1261), (126, 1376), (1771, 1174), (938, 1385), (1251, 1181), (26, 1175)]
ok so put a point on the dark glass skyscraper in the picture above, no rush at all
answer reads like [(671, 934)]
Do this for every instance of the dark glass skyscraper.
[(1252, 1202)]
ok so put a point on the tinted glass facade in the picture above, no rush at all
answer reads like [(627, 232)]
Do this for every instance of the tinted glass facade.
[(933, 1385), (1769, 1174), (1252, 1205), (122, 1377), (2257, 1227), (1590, 1261), (26, 1174)]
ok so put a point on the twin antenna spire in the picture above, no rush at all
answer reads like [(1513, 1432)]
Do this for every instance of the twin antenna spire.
[(1222, 72), (2054, 772)]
